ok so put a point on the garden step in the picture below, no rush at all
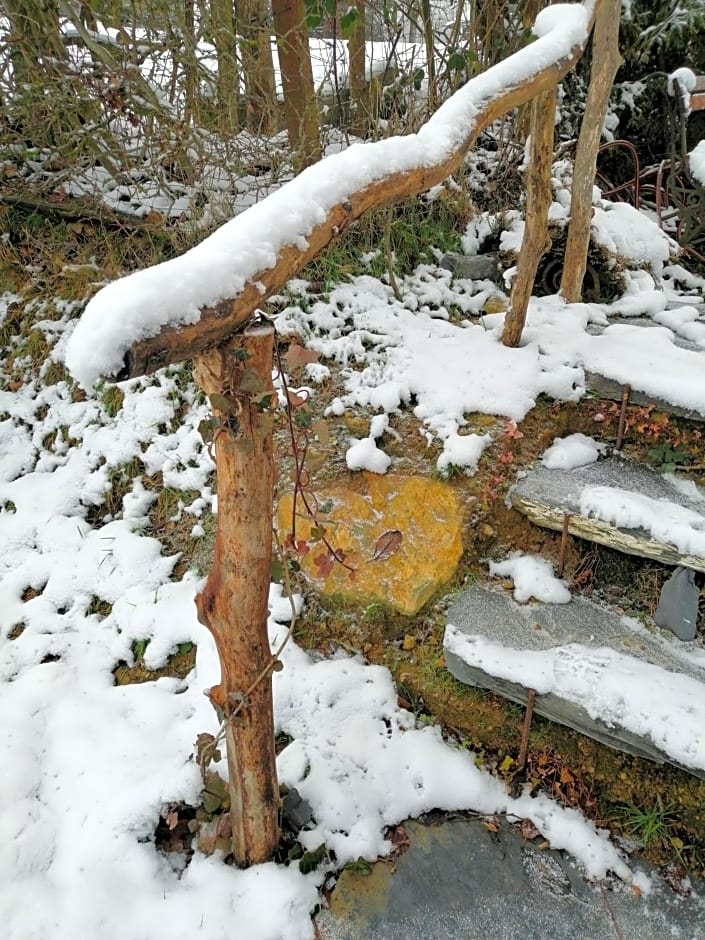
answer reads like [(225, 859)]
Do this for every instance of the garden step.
[(593, 670), (666, 524)]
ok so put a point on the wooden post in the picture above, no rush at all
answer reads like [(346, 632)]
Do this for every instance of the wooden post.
[(605, 62), (237, 377), (538, 198)]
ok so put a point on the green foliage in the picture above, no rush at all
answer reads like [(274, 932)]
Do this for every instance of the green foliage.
[(667, 456), (650, 826)]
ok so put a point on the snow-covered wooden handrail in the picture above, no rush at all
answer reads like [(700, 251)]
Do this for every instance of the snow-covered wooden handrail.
[(175, 310)]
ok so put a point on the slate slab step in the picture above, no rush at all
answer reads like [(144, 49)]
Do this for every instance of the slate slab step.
[(585, 662), (460, 881), (545, 496)]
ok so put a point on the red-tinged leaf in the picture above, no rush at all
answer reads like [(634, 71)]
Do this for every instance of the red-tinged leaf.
[(324, 563), (295, 399), (302, 547), (387, 545), (297, 356)]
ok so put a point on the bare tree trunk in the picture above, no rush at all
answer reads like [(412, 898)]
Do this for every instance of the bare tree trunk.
[(228, 80), (257, 66), (359, 98), (300, 107), (191, 106), (605, 62), (430, 61), (237, 377), (538, 199)]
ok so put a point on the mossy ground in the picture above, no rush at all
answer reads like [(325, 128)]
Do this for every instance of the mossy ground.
[(70, 260)]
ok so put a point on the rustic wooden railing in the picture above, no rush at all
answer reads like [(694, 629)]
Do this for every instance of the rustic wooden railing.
[(201, 306)]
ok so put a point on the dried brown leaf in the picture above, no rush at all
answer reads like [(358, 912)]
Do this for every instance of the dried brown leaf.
[(387, 545), (297, 356)]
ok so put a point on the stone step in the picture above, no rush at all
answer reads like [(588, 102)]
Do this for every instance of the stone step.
[(547, 496), (595, 671)]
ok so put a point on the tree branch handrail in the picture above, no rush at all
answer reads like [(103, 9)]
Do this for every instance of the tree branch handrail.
[(174, 310)]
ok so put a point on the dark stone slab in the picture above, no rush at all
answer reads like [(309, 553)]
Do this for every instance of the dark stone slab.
[(495, 615), (678, 605), (460, 881), (546, 495), (604, 387), (476, 267)]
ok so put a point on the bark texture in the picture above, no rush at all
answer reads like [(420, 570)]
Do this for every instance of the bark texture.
[(233, 604), (257, 65), (605, 62), (538, 198)]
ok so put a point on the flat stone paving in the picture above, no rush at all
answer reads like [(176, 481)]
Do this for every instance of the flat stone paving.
[(494, 614), (460, 881)]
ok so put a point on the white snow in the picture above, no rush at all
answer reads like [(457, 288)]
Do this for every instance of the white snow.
[(575, 450), (533, 577), (364, 454), (696, 161), (664, 521), (612, 687)]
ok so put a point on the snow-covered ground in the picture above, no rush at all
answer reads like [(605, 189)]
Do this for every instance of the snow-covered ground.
[(90, 765)]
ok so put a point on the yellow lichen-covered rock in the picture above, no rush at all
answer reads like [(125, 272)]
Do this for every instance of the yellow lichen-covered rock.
[(400, 539)]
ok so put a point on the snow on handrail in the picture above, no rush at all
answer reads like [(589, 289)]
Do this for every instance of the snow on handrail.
[(174, 310)]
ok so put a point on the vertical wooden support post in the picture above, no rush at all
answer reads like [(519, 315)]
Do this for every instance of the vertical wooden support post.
[(526, 728), (605, 62), (237, 377), (538, 199)]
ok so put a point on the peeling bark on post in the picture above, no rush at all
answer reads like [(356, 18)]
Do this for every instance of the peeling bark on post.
[(538, 199), (605, 62), (237, 377)]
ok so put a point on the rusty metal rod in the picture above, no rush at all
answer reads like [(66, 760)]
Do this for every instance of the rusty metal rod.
[(521, 760), (626, 389), (564, 544)]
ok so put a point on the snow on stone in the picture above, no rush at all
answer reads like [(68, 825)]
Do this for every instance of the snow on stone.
[(696, 161), (649, 361), (533, 577), (575, 450), (610, 686), (665, 522), (174, 293)]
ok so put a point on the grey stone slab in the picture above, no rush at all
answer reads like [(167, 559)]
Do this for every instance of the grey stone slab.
[(545, 496), (495, 615), (604, 387), (476, 267), (678, 605), (460, 881)]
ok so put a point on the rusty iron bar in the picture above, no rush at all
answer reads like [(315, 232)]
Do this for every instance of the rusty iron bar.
[(626, 390), (523, 747), (564, 544)]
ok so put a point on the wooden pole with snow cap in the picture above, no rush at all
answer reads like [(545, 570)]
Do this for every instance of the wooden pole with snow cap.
[(201, 306)]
